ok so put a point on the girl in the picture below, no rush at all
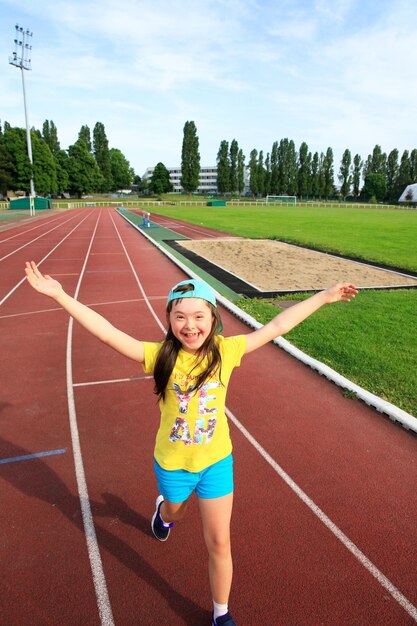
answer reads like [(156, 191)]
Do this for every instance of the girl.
[(191, 369)]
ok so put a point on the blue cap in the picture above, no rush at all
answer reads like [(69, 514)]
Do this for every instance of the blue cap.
[(200, 290)]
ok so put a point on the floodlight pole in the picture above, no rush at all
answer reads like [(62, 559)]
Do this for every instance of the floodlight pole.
[(21, 60)]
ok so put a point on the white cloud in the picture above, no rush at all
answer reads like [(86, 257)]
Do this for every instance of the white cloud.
[(338, 74)]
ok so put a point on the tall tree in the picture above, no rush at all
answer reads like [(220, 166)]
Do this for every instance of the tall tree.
[(315, 182), (15, 144), (122, 174), (50, 135), (234, 150), (267, 177), (283, 166), (344, 176), (85, 135), (304, 171), (62, 175), (292, 169), (413, 165), (223, 168), (404, 173), (274, 170), (378, 161), (44, 166), (356, 174), (160, 182), (84, 173), (102, 155), (7, 169), (392, 175), (328, 173), (322, 176), (253, 172), (287, 167), (240, 172), (367, 166), (190, 159), (261, 174)]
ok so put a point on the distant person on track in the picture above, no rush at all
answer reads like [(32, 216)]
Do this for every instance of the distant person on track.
[(191, 368)]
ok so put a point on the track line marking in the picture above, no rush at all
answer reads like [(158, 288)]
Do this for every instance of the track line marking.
[(195, 228), (115, 380), (42, 260), (28, 229), (36, 455), (36, 239), (339, 534), (102, 596), (152, 310), (90, 304)]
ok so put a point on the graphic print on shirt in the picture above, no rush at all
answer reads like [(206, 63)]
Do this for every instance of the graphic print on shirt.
[(181, 429)]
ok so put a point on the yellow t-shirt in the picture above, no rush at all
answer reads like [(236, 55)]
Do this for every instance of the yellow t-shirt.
[(193, 431)]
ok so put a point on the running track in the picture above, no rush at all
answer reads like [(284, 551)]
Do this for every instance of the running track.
[(324, 525)]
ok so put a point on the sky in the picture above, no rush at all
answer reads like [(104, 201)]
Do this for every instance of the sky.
[(339, 73)]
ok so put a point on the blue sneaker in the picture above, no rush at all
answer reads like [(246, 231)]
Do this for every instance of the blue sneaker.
[(223, 620), (159, 528)]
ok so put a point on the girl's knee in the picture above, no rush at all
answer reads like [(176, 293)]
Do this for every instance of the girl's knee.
[(172, 511), (218, 544)]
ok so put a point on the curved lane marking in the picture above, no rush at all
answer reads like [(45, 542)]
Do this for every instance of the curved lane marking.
[(100, 586)]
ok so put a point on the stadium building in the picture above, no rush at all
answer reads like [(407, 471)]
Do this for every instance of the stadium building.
[(208, 179)]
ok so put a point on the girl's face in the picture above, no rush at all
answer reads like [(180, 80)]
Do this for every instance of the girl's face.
[(191, 321)]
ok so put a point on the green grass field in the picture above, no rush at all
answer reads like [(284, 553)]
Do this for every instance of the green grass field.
[(372, 340), (369, 341), (385, 236)]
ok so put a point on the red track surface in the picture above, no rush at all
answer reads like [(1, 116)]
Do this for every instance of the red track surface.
[(358, 468)]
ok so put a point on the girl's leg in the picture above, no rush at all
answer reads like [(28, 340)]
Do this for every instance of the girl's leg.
[(165, 514), (216, 514), (173, 511)]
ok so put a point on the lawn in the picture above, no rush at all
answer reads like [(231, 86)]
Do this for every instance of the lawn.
[(370, 341), (386, 236)]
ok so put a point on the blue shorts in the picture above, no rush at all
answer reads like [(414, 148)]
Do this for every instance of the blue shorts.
[(214, 481)]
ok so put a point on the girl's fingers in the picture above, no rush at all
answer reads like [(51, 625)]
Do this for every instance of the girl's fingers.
[(36, 271)]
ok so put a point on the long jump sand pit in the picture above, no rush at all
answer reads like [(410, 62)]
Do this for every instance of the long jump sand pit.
[(275, 266)]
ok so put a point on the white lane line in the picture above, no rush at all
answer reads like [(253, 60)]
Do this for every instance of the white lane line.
[(29, 229), (100, 586), (357, 553), (168, 223), (150, 307), (110, 382), (42, 260), (36, 238), (90, 304)]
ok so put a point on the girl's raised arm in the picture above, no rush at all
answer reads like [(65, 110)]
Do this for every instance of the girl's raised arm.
[(96, 324), (288, 319)]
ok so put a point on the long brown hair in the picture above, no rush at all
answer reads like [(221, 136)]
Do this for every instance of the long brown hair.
[(167, 356)]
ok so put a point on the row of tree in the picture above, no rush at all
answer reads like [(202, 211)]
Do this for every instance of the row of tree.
[(287, 171), (87, 166)]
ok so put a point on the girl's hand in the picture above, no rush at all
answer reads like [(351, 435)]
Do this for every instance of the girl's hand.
[(43, 284), (340, 292)]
